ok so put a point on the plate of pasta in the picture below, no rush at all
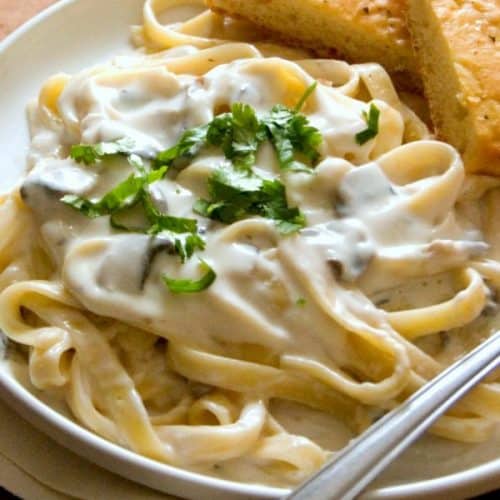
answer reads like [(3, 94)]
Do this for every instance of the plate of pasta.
[(223, 257)]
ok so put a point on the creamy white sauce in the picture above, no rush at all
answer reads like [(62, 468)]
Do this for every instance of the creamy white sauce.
[(354, 214), (359, 213)]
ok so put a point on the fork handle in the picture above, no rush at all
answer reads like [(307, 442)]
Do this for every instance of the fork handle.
[(357, 465)]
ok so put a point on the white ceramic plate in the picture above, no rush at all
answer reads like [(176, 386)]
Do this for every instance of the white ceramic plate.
[(74, 34)]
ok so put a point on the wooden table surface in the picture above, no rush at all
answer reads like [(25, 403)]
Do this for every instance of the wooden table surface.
[(15, 12)]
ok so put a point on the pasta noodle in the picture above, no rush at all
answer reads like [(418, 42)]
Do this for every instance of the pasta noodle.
[(394, 275)]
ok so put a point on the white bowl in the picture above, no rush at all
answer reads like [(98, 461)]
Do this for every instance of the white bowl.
[(74, 34)]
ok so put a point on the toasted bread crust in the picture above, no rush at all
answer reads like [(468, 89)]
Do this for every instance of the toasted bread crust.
[(458, 47), (358, 30)]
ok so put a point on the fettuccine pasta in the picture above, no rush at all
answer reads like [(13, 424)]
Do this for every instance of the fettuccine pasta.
[(338, 283)]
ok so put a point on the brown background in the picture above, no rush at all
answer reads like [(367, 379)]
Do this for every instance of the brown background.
[(14, 12)]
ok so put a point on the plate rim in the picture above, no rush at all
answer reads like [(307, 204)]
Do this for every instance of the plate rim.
[(475, 480), (38, 18)]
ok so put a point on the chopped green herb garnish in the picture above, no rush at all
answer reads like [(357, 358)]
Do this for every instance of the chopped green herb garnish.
[(301, 302), (163, 222), (240, 133), (303, 99), (186, 244), (124, 195), (89, 154), (137, 162), (189, 145), (235, 191), (290, 133), (274, 205), (179, 286), (183, 232), (237, 194), (371, 118), (129, 193)]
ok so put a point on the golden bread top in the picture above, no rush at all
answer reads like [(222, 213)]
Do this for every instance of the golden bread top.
[(386, 18), (473, 31), (358, 30), (459, 43)]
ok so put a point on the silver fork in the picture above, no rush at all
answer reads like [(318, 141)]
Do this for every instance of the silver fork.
[(357, 465)]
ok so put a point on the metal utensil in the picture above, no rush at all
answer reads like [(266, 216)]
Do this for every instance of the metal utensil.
[(366, 457)]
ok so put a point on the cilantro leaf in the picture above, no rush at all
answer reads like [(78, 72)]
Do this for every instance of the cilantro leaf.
[(187, 243), (89, 154), (247, 136), (129, 193), (291, 133), (183, 232), (274, 205), (237, 194), (234, 132), (83, 205), (181, 286), (238, 133), (125, 195), (372, 119), (189, 145), (84, 153), (163, 222), (233, 192), (305, 138), (220, 132), (303, 99), (227, 183)]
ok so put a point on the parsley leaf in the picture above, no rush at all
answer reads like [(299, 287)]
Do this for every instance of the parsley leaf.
[(89, 154), (371, 118), (179, 286), (237, 194)]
